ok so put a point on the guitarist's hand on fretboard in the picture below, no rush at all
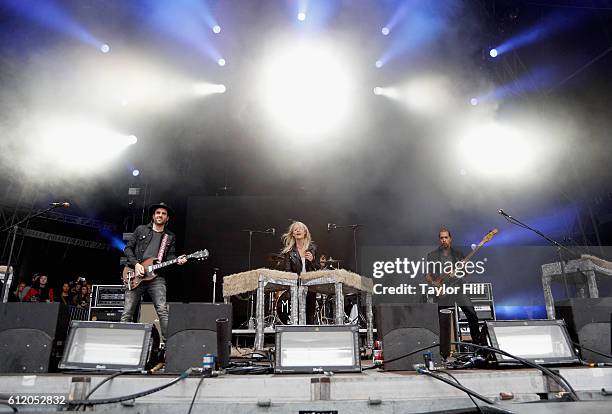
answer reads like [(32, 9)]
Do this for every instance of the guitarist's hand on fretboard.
[(182, 260)]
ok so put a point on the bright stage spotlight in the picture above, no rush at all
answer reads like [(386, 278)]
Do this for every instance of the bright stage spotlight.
[(378, 64), (221, 62), (385, 31), (497, 150), (474, 101), (389, 92), (493, 53), (208, 88), (301, 16), (135, 172), (306, 89), (105, 48), (80, 145), (216, 29)]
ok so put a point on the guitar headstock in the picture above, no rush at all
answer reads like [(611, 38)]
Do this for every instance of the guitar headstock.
[(487, 238), (199, 255)]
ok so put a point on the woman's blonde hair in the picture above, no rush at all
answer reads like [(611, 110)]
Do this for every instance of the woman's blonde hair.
[(289, 240)]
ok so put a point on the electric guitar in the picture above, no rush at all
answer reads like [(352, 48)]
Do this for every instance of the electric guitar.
[(438, 281), (131, 280)]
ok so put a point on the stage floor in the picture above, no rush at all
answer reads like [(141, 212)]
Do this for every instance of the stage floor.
[(370, 391)]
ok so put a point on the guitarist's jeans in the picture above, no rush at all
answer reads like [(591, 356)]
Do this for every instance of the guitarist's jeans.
[(157, 290)]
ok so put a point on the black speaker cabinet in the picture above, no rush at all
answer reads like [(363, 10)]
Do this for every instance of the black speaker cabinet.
[(106, 314), (404, 328), (32, 336), (588, 323), (192, 332)]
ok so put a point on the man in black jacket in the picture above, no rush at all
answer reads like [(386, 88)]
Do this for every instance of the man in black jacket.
[(151, 240), (447, 255)]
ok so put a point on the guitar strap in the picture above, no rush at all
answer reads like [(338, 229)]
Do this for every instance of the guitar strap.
[(162, 247)]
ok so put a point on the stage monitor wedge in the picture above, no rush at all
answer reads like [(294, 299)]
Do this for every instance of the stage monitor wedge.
[(403, 328), (543, 341), (192, 332), (589, 323), (32, 336)]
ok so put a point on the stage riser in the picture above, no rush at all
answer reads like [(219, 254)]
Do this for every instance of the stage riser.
[(406, 392)]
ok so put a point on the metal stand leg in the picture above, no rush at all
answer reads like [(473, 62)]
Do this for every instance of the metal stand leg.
[(370, 321), (303, 291), (294, 305), (592, 284), (548, 297), (259, 314), (339, 304)]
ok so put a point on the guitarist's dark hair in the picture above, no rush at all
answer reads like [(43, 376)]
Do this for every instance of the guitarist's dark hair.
[(444, 229)]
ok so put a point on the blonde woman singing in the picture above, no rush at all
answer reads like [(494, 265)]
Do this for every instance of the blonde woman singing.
[(299, 250)]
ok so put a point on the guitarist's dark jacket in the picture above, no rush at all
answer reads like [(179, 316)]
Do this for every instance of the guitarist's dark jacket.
[(137, 244), (455, 256)]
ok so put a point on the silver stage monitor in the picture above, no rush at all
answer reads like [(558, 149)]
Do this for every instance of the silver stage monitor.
[(317, 348), (107, 346), (541, 341)]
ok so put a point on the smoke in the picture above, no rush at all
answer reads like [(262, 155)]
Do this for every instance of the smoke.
[(397, 162)]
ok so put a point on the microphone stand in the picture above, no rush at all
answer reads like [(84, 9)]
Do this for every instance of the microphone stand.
[(251, 322), (355, 227), (559, 246), (14, 228), (214, 280)]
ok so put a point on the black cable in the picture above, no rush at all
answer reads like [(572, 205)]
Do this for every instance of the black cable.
[(104, 381), (403, 356), (558, 378), (592, 350), (9, 405), (248, 370), (131, 396), (469, 395), (459, 386), (195, 393)]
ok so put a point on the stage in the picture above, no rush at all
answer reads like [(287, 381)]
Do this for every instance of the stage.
[(371, 391)]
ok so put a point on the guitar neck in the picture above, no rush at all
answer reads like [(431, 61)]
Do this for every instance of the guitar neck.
[(164, 264), (473, 252)]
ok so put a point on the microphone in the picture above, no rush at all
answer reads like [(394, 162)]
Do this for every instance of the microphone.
[(272, 231), (60, 204), (503, 213), (330, 226)]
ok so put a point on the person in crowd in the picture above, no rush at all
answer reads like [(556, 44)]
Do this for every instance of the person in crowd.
[(40, 291)]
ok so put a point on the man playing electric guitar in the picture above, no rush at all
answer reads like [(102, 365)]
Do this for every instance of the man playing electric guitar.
[(445, 254), (151, 240)]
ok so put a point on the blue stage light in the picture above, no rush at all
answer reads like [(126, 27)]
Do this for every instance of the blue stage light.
[(385, 31), (474, 101), (301, 16), (493, 53), (379, 64), (105, 48), (135, 172), (216, 29), (221, 62)]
